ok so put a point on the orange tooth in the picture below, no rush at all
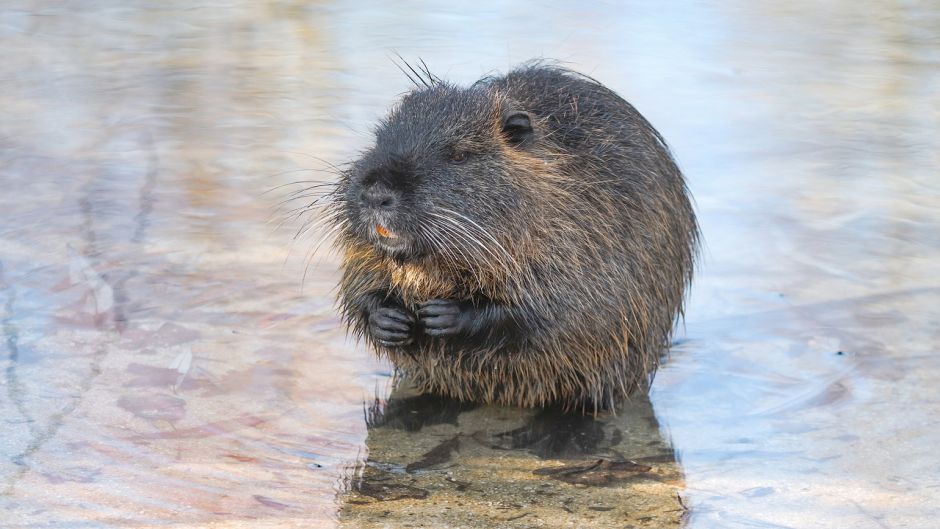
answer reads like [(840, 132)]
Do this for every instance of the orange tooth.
[(383, 231)]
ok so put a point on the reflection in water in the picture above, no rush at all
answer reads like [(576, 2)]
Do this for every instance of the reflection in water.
[(160, 362), (453, 464)]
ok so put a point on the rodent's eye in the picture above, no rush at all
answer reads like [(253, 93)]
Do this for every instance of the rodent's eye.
[(458, 157)]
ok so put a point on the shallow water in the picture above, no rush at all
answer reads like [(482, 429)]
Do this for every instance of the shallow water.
[(164, 362)]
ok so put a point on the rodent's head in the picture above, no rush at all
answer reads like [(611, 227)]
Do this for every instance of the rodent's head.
[(438, 183)]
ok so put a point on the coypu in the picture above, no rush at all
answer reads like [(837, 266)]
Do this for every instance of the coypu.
[(526, 241)]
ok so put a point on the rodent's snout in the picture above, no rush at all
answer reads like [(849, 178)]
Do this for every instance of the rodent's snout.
[(379, 216), (378, 196)]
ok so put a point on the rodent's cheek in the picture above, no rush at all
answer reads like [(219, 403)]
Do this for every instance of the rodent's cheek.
[(353, 215)]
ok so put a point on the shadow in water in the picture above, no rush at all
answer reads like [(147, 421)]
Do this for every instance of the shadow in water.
[(442, 463)]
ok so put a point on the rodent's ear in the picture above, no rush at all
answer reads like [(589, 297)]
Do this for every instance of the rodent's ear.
[(517, 126)]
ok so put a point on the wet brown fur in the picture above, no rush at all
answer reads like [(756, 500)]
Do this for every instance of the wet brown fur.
[(600, 252)]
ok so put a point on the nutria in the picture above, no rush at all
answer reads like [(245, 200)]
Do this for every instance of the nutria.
[(526, 241)]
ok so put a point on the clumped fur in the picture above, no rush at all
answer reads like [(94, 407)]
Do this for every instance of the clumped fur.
[(540, 208)]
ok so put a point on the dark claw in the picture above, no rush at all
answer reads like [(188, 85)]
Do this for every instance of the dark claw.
[(440, 317), (440, 322), (437, 302), (397, 314), (438, 308), (384, 334), (385, 322), (447, 331), (393, 344), (391, 326)]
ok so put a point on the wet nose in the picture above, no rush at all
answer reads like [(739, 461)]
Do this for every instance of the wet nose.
[(378, 197)]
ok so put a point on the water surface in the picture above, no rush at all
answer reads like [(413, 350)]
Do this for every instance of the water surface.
[(165, 359)]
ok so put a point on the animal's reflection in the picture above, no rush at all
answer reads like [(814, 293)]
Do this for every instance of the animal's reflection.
[(442, 462)]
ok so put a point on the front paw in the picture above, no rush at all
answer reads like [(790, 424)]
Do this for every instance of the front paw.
[(441, 317), (391, 326)]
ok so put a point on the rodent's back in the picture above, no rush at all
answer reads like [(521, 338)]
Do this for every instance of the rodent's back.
[(638, 234)]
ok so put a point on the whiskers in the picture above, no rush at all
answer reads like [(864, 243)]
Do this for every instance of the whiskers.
[(462, 249), (315, 208), (466, 247)]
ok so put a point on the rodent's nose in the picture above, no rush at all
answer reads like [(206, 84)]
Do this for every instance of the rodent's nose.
[(378, 197)]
